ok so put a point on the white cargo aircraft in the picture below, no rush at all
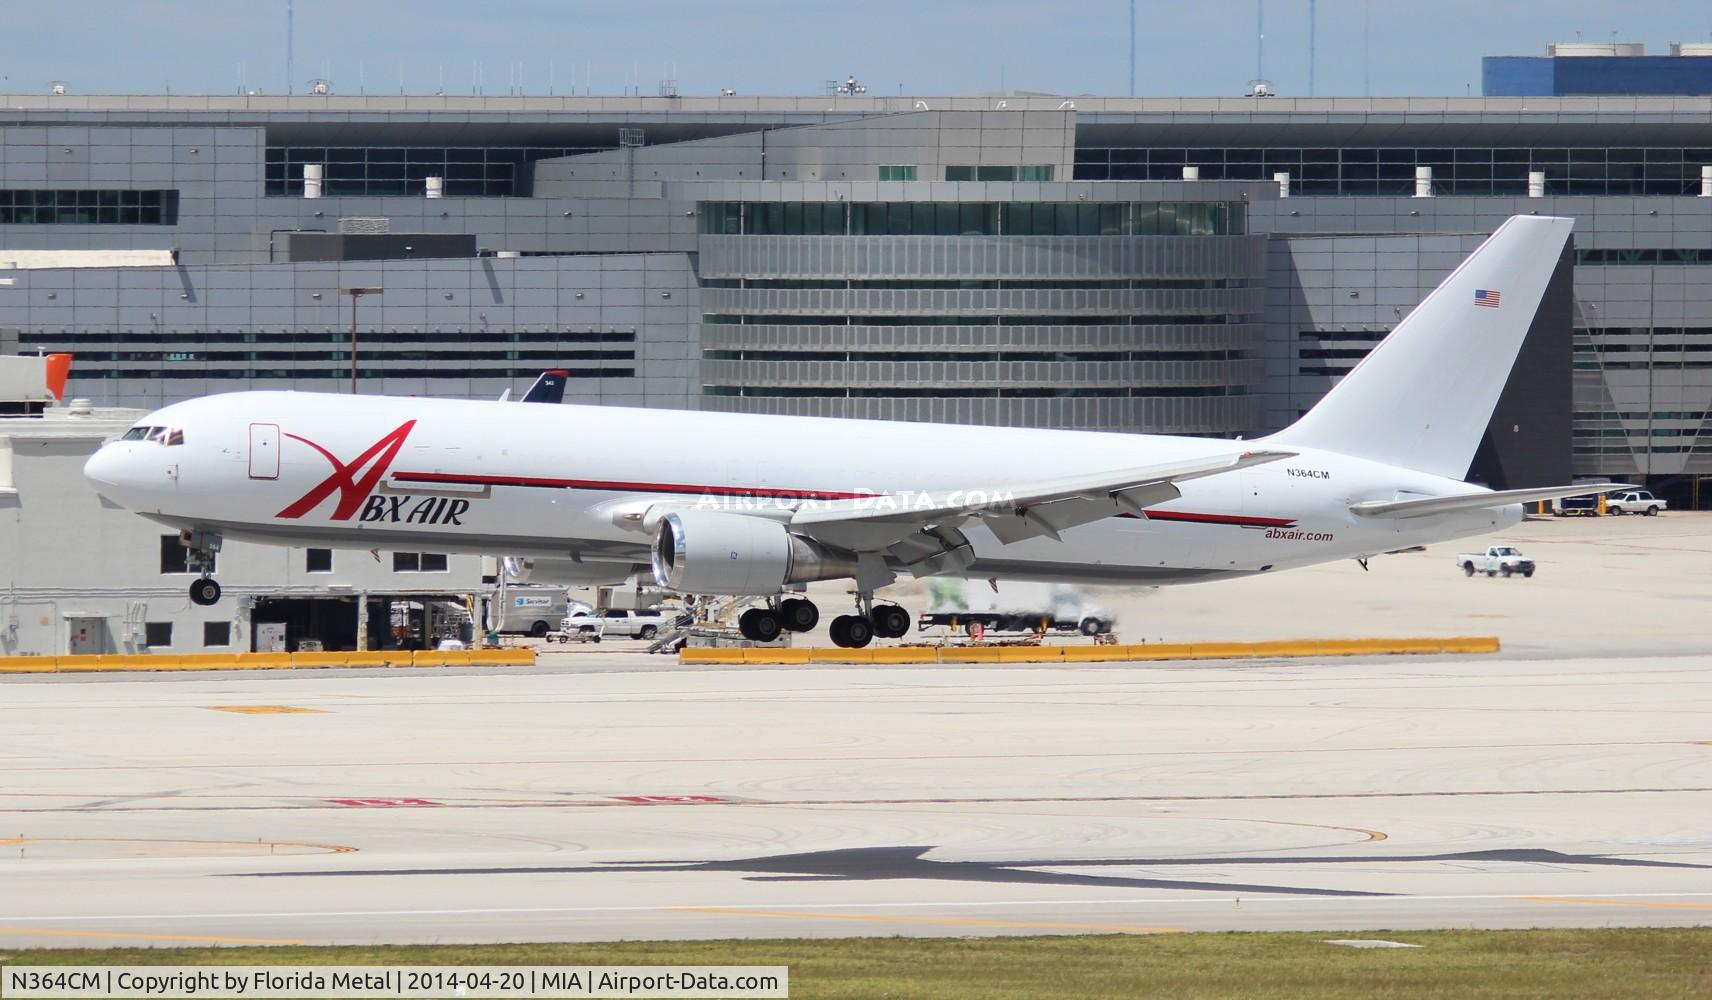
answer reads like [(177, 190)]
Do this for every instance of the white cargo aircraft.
[(739, 504)]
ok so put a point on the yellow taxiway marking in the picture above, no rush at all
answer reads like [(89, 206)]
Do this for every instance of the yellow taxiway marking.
[(265, 709), (1619, 902), (144, 937), (959, 921)]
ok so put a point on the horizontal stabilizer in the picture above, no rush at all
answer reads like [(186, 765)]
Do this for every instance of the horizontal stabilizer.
[(1476, 501)]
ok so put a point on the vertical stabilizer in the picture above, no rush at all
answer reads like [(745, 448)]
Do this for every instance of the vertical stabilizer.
[(1423, 397)]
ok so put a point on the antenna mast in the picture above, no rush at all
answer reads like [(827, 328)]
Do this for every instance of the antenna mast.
[(290, 38), (1312, 50), (1132, 48), (1260, 39)]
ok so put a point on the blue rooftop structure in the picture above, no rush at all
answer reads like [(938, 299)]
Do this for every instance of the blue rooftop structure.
[(1575, 74)]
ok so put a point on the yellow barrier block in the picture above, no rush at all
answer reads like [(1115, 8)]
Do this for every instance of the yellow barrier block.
[(27, 665), (1354, 647), (1223, 650), (1416, 645), (903, 654), (457, 657), (775, 656), (187, 661), (838, 654), (1030, 654), (83, 662), (1095, 654), (1472, 644), (969, 654), (503, 657), (1159, 651), (711, 654), (264, 661), (318, 659), (377, 658), (426, 658)]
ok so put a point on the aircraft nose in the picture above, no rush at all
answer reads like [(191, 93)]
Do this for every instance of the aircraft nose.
[(112, 470)]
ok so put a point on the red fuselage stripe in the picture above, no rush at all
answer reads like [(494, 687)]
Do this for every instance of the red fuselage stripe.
[(1237, 519), (602, 484)]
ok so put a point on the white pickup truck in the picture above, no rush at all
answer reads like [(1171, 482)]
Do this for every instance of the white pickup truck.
[(1633, 502), (1505, 559), (614, 622)]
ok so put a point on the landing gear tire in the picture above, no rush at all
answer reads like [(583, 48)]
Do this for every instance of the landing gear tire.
[(851, 632), (798, 615), (759, 625), (205, 592), (890, 621)]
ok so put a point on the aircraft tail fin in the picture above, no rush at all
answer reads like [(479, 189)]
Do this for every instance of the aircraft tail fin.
[(1422, 398), (549, 388)]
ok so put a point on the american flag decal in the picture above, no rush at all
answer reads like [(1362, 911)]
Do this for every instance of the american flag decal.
[(1486, 297)]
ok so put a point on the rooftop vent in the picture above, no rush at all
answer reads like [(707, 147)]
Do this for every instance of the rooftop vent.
[(1596, 49), (367, 225)]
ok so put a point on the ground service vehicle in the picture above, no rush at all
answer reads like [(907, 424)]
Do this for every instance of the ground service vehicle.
[(645, 624), (1497, 559), (1014, 607), (1633, 502), (754, 505), (533, 610), (1576, 506)]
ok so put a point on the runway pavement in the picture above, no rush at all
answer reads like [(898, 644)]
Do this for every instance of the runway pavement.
[(580, 804)]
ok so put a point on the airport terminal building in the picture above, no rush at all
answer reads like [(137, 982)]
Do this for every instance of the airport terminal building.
[(1189, 266)]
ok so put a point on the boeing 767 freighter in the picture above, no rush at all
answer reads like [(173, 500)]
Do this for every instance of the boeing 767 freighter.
[(749, 505)]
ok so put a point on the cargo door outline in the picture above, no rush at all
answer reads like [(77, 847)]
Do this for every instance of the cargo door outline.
[(264, 451)]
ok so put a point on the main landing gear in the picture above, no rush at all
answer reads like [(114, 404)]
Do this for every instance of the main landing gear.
[(796, 614), (793, 614)]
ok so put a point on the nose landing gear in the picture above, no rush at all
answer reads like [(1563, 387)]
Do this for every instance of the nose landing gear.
[(203, 548), (205, 592)]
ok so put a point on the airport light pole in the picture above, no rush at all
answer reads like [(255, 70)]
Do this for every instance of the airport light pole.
[(355, 294)]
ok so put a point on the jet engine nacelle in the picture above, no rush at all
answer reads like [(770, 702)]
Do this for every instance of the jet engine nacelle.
[(707, 552)]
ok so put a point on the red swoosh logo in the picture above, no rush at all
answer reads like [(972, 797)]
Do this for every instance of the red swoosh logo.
[(352, 488)]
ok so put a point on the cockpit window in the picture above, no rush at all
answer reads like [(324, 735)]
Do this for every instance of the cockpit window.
[(168, 436)]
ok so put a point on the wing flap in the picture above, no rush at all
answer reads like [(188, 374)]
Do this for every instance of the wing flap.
[(1425, 506)]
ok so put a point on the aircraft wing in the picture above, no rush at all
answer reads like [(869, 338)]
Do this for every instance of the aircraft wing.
[(1476, 501), (1013, 513)]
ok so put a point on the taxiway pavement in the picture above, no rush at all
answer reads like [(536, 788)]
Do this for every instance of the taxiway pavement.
[(580, 804)]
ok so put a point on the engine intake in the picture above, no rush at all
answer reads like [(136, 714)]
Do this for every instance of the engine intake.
[(706, 552)]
